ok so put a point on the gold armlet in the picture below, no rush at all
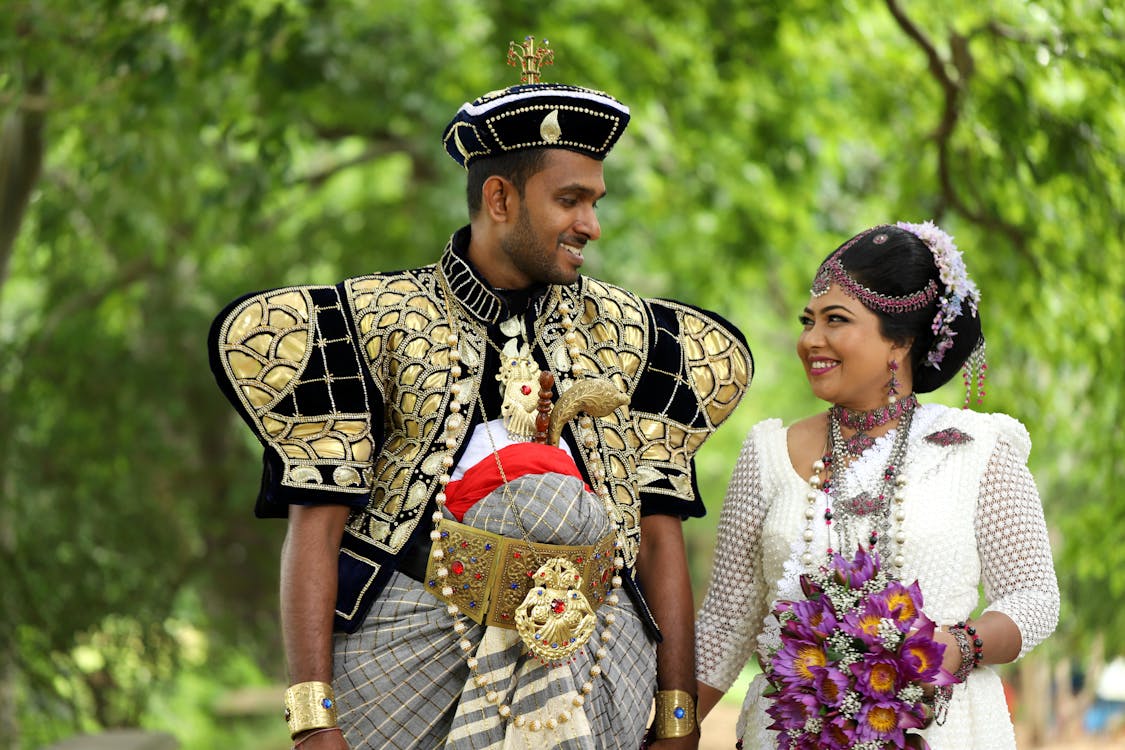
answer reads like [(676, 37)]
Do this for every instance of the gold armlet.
[(309, 705), (675, 714)]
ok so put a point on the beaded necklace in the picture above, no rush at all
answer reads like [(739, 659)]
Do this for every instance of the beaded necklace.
[(844, 513), (864, 421), (458, 401)]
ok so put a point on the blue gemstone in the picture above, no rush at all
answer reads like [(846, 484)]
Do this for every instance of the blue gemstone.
[(327, 703), (679, 712)]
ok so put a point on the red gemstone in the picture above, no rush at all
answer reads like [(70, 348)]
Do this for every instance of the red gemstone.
[(558, 606), (525, 390), (457, 567)]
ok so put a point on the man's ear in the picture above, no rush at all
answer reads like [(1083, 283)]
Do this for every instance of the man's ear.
[(499, 198)]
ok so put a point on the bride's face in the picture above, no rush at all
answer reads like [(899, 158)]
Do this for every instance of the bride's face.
[(845, 354)]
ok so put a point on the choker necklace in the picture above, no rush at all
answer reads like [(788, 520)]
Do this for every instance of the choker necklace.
[(862, 421)]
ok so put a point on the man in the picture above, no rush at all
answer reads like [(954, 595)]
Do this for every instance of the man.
[(449, 574)]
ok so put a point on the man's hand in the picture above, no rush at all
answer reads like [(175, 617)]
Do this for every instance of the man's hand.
[(315, 740), (691, 742)]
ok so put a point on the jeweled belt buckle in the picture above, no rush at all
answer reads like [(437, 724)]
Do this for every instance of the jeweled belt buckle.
[(490, 577)]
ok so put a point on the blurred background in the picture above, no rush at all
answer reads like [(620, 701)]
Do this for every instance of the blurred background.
[(159, 159)]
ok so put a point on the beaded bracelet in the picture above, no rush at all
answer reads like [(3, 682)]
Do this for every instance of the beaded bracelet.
[(966, 664), (977, 643)]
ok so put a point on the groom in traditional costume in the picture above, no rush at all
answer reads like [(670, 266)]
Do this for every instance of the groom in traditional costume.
[(486, 462)]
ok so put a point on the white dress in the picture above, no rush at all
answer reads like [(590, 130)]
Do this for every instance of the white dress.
[(972, 518)]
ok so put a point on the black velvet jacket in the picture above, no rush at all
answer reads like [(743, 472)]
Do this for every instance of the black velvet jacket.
[(348, 389)]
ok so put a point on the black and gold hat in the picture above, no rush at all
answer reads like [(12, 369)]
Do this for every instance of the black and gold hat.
[(535, 115)]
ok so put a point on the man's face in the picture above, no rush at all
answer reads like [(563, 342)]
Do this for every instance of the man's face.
[(557, 217)]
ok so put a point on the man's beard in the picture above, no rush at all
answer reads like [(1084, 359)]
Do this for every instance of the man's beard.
[(537, 263)]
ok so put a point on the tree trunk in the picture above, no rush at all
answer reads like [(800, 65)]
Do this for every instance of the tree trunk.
[(21, 158)]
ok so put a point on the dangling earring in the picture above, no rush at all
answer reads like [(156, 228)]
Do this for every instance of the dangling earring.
[(893, 385), (973, 373)]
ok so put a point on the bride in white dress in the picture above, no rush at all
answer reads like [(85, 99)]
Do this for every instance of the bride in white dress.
[(943, 495)]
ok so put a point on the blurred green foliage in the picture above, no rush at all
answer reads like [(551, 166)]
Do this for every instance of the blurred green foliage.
[(158, 159)]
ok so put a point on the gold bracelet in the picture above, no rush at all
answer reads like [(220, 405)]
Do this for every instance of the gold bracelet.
[(675, 714), (309, 705)]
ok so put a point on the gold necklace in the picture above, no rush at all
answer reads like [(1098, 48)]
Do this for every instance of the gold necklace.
[(454, 424), (519, 381)]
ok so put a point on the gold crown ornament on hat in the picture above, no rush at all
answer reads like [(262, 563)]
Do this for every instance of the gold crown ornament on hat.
[(529, 58), (533, 114)]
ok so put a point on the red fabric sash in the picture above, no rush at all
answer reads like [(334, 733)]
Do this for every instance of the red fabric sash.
[(517, 459)]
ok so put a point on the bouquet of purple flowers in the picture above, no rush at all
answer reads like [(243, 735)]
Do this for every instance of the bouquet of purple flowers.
[(853, 657)]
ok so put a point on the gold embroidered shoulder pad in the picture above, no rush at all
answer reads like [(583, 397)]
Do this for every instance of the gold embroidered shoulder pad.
[(269, 352)]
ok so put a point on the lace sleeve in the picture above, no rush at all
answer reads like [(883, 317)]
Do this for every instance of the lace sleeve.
[(734, 605), (1017, 568)]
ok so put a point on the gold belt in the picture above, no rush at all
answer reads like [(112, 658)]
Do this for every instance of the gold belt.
[(489, 576)]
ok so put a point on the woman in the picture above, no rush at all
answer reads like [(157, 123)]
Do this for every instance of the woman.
[(943, 495)]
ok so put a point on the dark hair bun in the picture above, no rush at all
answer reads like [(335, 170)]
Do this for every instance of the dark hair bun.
[(894, 262)]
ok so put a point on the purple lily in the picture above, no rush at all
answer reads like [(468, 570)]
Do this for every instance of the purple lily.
[(878, 678), (792, 665), (879, 722), (830, 685), (792, 711), (865, 623), (855, 573), (905, 603), (921, 657), (837, 733), (814, 621)]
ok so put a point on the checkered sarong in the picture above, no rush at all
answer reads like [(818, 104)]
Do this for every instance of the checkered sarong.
[(401, 679)]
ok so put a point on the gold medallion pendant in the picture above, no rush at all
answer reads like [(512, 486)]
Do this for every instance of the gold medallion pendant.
[(555, 619), (519, 388)]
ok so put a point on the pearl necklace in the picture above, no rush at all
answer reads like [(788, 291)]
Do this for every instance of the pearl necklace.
[(888, 503), (454, 423)]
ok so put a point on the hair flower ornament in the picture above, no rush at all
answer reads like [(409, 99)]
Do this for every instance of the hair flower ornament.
[(954, 277)]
